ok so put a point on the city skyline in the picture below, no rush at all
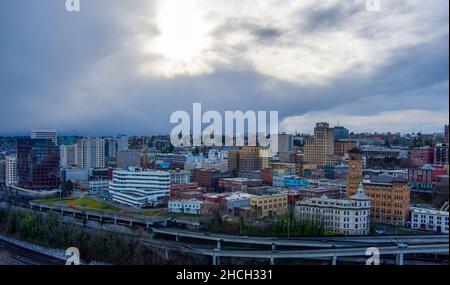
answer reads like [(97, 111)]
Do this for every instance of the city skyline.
[(119, 67)]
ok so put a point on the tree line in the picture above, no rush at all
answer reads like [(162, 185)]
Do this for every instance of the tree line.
[(49, 231)]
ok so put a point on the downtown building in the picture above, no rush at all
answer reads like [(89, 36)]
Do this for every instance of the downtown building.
[(128, 158), (45, 134), (209, 178), (285, 142), (91, 153), (248, 159), (340, 133), (344, 216), (38, 164), (68, 155), (441, 154), (137, 188), (420, 156), (319, 149), (423, 179), (10, 170), (390, 196), (430, 219), (179, 176)]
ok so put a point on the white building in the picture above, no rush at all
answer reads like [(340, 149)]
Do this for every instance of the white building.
[(192, 206), (98, 186), (137, 188), (217, 154), (45, 134), (219, 164), (91, 153), (349, 217), (180, 177), (68, 155), (429, 219), (10, 170)]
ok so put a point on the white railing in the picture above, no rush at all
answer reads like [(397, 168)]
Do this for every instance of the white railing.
[(53, 252)]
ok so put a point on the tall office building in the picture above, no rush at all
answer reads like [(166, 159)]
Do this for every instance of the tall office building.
[(128, 158), (248, 159), (91, 153), (68, 155), (340, 133), (45, 134), (10, 170), (115, 144), (441, 154), (38, 164), (285, 142), (122, 142), (233, 161), (111, 147), (319, 149)]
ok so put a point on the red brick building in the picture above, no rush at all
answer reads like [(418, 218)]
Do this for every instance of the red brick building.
[(267, 176), (186, 191), (421, 156), (209, 178)]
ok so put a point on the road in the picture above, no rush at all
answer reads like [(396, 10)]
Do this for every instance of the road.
[(317, 242)]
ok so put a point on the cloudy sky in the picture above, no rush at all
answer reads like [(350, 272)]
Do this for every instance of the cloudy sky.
[(124, 66)]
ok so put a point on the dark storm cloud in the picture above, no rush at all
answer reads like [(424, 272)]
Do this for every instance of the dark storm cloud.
[(327, 17), (78, 72)]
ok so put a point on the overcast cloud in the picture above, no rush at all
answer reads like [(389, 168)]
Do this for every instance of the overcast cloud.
[(124, 66)]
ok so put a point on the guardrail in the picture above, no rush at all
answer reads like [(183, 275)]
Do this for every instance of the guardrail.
[(52, 252), (55, 253)]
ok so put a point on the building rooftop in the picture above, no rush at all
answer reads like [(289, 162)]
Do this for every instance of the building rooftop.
[(385, 180)]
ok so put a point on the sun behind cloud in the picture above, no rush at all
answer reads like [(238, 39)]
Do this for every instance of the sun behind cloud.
[(182, 41)]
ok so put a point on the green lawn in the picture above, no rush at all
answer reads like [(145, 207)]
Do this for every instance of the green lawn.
[(157, 214), (81, 204)]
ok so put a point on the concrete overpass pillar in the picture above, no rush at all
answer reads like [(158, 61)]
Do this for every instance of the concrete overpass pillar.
[(216, 260), (166, 255), (399, 259), (216, 257), (219, 244), (178, 238), (334, 260), (272, 260), (274, 246)]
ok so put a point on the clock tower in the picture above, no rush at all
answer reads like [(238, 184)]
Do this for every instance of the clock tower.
[(355, 176)]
